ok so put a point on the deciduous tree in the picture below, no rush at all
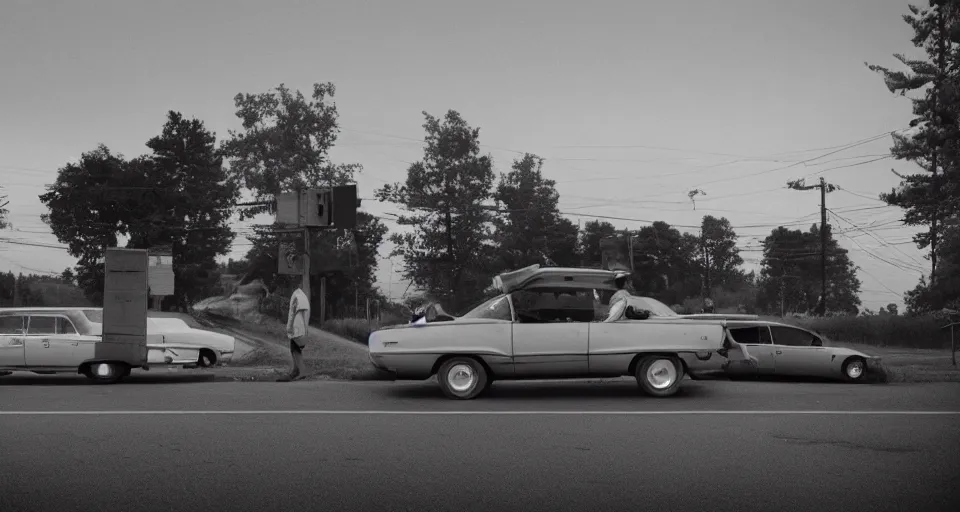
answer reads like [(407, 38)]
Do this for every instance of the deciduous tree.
[(283, 146), (531, 229), (89, 207), (590, 236), (719, 259), (448, 251), (790, 269)]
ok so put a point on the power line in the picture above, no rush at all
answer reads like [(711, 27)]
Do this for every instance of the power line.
[(835, 214), (843, 148)]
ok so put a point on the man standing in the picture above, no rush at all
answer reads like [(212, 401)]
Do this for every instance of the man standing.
[(298, 318)]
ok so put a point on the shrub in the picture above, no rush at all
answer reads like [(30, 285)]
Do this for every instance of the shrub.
[(880, 330)]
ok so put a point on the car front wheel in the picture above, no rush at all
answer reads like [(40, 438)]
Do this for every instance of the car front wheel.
[(659, 376), (462, 378), (855, 370)]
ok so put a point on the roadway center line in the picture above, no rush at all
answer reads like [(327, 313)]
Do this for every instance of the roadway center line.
[(296, 412)]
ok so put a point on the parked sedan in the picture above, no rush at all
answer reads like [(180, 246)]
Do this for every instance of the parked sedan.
[(788, 350), (56, 340), (541, 326), (175, 342)]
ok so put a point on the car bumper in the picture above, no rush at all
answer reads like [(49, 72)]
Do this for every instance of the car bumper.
[(225, 357)]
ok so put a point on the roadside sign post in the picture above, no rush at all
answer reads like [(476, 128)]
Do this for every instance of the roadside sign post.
[(953, 342), (306, 209), (160, 274)]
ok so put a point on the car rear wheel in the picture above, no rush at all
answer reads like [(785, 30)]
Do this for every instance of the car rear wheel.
[(106, 373), (659, 376), (207, 358), (462, 378), (855, 370)]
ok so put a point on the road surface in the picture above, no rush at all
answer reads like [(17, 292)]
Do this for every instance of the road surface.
[(170, 443)]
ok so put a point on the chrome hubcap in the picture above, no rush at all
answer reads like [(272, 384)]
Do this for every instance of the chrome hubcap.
[(461, 378), (855, 369), (662, 374)]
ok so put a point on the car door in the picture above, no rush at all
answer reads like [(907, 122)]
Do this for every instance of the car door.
[(796, 354), (11, 340), (551, 347), (759, 344), (44, 347), (84, 347)]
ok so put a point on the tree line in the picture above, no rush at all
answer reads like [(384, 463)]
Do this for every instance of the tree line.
[(463, 223)]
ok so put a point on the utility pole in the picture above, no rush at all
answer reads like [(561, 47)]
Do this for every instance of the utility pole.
[(824, 188), (305, 268), (823, 247)]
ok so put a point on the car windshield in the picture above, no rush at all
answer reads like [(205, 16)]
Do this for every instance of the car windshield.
[(493, 308)]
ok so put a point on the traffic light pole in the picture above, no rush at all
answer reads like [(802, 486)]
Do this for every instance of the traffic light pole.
[(305, 276), (334, 208)]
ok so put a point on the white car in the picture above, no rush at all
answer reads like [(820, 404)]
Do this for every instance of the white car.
[(176, 332), (172, 341)]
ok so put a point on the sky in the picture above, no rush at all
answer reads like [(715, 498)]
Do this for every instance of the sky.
[(632, 104)]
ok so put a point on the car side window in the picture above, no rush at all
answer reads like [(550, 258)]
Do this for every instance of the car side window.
[(65, 326), (11, 325), (792, 337), (40, 325), (749, 335), (765, 337)]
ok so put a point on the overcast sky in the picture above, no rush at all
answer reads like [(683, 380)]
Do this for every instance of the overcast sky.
[(632, 103)]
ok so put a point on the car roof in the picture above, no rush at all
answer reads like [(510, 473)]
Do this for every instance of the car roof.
[(769, 323), (42, 309), (535, 276)]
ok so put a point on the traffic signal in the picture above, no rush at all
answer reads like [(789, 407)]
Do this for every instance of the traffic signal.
[(345, 204), (316, 208), (319, 208)]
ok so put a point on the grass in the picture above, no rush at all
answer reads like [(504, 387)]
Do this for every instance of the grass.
[(355, 329), (912, 364), (326, 356), (923, 332)]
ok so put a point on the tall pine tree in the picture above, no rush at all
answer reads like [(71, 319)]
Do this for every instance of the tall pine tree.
[(929, 197)]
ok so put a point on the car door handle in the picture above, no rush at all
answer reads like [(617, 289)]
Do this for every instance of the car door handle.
[(46, 343), (779, 352), (75, 343)]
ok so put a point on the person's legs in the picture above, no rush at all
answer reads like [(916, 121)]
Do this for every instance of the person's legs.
[(296, 353), (297, 350)]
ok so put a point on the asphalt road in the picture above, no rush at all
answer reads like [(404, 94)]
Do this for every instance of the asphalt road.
[(170, 443)]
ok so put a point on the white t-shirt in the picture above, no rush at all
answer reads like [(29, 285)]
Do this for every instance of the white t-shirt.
[(298, 318), (620, 294)]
